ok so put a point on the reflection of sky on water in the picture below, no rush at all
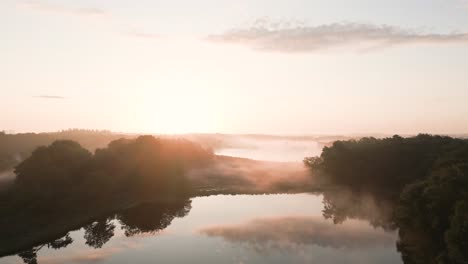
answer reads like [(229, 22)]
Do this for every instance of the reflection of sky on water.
[(292, 232), (300, 235)]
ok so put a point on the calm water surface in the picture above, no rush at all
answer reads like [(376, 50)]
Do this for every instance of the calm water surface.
[(238, 229)]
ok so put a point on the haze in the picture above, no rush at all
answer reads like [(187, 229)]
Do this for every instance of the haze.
[(274, 67)]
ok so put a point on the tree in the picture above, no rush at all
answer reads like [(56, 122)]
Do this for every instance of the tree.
[(53, 168), (98, 233)]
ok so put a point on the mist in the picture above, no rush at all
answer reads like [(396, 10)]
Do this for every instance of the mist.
[(230, 174), (271, 149), (6, 179)]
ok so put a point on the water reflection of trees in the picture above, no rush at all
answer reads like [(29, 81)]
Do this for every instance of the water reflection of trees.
[(427, 176), (98, 233), (30, 256), (418, 242), (151, 218), (148, 218), (344, 203), (63, 187)]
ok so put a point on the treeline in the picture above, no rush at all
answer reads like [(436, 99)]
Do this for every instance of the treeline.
[(67, 183), (16, 147), (65, 168), (426, 177)]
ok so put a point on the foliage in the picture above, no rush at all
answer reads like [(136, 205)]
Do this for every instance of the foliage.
[(429, 174), (64, 183), (388, 163), (98, 233), (14, 148), (145, 166), (54, 168), (433, 218), (456, 235), (151, 218), (148, 218)]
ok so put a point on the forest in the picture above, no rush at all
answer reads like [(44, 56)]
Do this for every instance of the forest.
[(417, 186), (63, 185), (426, 179)]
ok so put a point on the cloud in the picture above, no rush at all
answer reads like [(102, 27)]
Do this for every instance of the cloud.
[(292, 232), (42, 6), (62, 9), (48, 96), (294, 37)]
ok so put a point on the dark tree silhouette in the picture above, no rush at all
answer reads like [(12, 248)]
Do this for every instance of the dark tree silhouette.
[(30, 256), (148, 218), (432, 218), (61, 243), (52, 169), (14, 148), (385, 164), (426, 177), (63, 185), (98, 233), (152, 218)]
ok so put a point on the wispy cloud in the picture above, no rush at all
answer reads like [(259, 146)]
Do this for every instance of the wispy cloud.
[(44, 96), (296, 37), (41, 6), (47, 7)]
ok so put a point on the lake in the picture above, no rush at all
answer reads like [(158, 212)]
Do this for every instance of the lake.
[(279, 228), (270, 228)]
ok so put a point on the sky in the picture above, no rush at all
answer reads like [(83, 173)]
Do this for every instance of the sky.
[(265, 66)]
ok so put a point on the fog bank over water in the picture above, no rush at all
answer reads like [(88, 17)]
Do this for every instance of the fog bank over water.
[(272, 149), (252, 163)]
